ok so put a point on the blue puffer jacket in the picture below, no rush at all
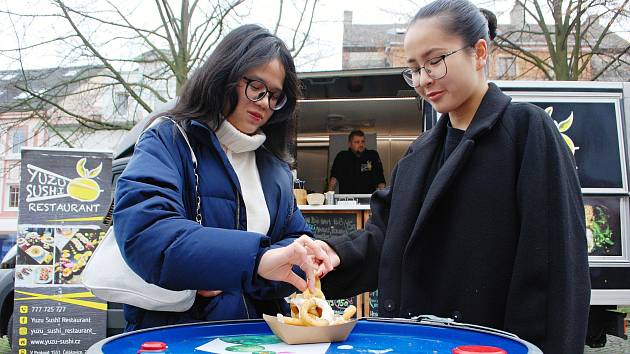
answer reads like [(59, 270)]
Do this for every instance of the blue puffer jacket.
[(155, 227)]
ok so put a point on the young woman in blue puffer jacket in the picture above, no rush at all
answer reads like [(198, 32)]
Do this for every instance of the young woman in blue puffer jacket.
[(238, 113)]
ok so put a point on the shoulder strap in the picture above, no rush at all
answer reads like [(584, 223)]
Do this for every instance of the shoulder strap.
[(107, 219), (198, 218), (192, 153)]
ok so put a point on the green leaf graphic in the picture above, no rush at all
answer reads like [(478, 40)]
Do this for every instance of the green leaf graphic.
[(566, 124), (95, 172)]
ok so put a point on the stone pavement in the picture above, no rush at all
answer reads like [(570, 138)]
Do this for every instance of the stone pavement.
[(614, 345)]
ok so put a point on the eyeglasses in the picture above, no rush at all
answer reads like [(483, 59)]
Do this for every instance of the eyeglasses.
[(256, 90), (434, 67)]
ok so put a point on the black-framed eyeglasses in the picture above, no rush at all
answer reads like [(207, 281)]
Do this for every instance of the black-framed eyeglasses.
[(434, 67), (256, 90)]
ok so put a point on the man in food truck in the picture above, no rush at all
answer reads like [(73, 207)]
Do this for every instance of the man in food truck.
[(357, 170)]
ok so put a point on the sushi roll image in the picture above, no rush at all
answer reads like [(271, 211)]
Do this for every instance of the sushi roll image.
[(77, 245), (67, 274)]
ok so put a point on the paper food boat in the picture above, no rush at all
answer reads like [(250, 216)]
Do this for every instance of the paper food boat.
[(305, 335)]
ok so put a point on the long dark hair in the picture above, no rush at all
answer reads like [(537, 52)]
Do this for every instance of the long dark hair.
[(210, 92), (461, 18)]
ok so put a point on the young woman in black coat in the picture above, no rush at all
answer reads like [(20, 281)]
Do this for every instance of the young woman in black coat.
[(483, 220)]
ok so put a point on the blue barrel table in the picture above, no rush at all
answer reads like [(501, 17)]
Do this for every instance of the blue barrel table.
[(370, 335)]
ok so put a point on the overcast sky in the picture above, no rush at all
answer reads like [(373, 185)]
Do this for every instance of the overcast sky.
[(322, 53), (328, 30)]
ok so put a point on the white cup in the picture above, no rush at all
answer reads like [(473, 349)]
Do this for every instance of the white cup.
[(330, 198)]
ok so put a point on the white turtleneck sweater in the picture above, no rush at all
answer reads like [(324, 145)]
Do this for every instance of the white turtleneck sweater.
[(239, 148)]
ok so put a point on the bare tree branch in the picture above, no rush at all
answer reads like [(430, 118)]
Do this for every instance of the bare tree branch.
[(615, 60), (573, 40), (80, 119), (275, 29), (203, 47), (115, 24), (105, 62), (297, 51), (180, 40)]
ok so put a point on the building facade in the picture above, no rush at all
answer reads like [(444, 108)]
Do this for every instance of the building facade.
[(55, 108), (381, 46)]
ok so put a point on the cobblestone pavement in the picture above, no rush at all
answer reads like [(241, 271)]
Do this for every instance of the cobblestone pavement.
[(614, 345)]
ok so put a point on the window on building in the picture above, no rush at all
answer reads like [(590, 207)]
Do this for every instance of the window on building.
[(506, 67), (13, 171), (121, 103), (8, 76), (22, 96), (14, 196), (18, 140)]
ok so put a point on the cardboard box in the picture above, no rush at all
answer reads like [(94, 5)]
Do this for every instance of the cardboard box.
[(305, 335)]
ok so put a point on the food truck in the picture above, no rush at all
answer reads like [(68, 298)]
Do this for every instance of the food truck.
[(591, 116)]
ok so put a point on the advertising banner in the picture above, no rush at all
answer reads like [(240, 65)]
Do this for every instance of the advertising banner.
[(64, 195)]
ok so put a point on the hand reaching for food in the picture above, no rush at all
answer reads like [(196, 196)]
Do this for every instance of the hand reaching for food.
[(277, 264), (312, 309), (332, 256)]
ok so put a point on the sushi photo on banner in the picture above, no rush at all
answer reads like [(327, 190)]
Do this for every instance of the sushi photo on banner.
[(73, 248)]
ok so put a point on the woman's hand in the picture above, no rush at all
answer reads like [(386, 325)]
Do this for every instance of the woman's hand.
[(276, 264), (322, 269)]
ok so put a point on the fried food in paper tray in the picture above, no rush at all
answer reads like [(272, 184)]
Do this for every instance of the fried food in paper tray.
[(312, 320)]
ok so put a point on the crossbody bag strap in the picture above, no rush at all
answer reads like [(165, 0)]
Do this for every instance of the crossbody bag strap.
[(110, 212), (198, 217), (107, 219)]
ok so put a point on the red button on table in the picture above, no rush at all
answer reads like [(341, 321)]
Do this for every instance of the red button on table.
[(153, 347), (476, 349)]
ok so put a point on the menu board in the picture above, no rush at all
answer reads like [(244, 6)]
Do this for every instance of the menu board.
[(331, 224), (340, 305), (328, 225), (372, 304), (63, 197)]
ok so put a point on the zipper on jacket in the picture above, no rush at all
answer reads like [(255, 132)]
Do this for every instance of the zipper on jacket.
[(291, 204), (238, 227), (245, 304), (238, 211)]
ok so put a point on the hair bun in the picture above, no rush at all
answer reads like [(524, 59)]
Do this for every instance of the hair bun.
[(492, 22)]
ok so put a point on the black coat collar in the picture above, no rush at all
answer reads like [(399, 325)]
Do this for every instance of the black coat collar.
[(490, 109), (415, 166)]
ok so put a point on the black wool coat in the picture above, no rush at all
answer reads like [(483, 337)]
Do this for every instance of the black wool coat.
[(499, 240)]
